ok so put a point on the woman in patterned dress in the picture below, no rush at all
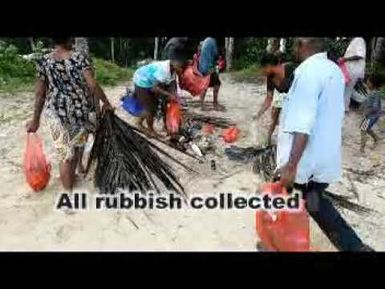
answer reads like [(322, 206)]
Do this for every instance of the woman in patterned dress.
[(64, 88)]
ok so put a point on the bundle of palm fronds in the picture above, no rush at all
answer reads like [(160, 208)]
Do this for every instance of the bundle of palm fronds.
[(127, 160), (265, 162), (263, 158), (221, 122)]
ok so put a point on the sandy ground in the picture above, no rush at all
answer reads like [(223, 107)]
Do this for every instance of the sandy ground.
[(28, 220)]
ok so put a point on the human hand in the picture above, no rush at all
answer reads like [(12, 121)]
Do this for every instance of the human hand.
[(33, 126), (287, 174)]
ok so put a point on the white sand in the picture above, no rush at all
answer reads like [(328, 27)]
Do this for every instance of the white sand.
[(28, 220)]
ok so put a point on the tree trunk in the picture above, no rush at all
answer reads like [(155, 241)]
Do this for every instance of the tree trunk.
[(269, 44), (229, 46), (156, 48), (126, 45), (378, 50), (81, 45), (33, 47), (282, 45), (112, 49), (120, 50)]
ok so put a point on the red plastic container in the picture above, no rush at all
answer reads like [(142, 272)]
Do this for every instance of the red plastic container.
[(286, 231)]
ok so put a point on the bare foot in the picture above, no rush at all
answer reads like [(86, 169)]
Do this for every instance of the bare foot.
[(140, 126), (219, 107)]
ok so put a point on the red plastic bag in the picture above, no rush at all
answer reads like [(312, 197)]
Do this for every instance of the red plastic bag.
[(193, 81), (283, 230), (173, 117), (344, 70), (230, 134), (221, 64), (37, 170), (208, 129)]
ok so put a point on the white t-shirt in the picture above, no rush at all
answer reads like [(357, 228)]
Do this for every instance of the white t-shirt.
[(357, 47)]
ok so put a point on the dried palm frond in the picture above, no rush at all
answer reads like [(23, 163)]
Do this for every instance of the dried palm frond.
[(221, 122), (127, 160)]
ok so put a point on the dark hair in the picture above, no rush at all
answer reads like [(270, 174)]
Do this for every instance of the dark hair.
[(61, 40), (376, 79), (317, 43), (269, 58), (179, 55)]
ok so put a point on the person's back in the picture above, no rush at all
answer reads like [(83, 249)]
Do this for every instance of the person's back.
[(151, 74), (315, 106)]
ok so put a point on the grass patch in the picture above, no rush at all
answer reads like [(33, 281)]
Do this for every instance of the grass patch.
[(249, 74), (108, 73), (18, 74)]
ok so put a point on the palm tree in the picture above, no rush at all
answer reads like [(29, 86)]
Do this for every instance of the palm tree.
[(113, 49), (156, 48), (378, 50), (229, 47)]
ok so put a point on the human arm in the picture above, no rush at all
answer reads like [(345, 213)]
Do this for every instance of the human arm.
[(266, 104), (40, 92), (160, 91), (95, 89)]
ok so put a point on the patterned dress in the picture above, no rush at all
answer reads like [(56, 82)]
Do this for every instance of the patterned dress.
[(68, 105)]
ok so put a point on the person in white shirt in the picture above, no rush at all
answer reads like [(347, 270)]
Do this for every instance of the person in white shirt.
[(355, 59), (309, 140)]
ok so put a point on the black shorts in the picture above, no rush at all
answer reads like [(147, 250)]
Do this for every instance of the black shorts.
[(214, 80), (150, 100), (147, 99)]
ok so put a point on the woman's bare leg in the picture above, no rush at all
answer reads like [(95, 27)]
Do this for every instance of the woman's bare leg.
[(67, 171), (139, 122), (215, 98), (150, 126), (203, 99), (374, 137), (81, 168), (67, 174)]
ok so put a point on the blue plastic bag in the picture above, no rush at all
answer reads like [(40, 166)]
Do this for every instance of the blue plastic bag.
[(131, 105)]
